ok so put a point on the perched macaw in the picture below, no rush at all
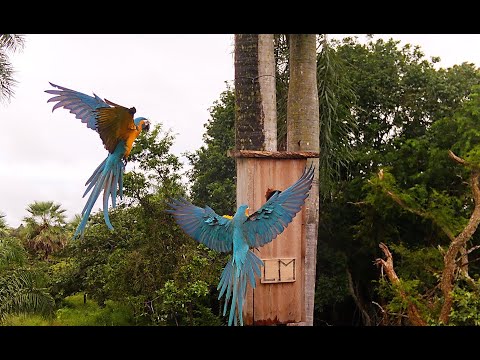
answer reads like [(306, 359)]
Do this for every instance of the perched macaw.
[(117, 129), (241, 233)]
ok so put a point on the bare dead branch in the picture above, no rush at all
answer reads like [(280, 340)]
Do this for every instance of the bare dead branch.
[(381, 308), (357, 203), (387, 264), (384, 318), (456, 158), (366, 318), (463, 162), (473, 249), (459, 242)]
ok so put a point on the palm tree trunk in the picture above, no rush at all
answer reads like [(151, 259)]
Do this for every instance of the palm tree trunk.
[(255, 96), (303, 135)]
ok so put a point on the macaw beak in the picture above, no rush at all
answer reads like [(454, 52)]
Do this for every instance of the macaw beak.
[(146, 125)]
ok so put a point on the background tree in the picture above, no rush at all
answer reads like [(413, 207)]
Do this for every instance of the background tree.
[(3, 225), (147, 266), (255, 97), (8, 42), (44, 233), (22, 288), (452, 209), (399, 96), (337, 123)]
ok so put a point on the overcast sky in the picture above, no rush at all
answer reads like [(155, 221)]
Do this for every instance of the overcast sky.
[(170, 79)]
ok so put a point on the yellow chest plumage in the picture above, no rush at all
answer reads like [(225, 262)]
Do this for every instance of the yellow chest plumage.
[(130, 135)]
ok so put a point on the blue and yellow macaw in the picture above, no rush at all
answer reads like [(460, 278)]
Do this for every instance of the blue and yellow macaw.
[(117, 129), (241, 233)]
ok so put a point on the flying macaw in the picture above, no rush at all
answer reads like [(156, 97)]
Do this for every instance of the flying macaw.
[(117, 129), (240, 234)]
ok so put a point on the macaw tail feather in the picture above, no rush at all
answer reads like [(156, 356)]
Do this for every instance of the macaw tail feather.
[(233, 283), (108, 176)]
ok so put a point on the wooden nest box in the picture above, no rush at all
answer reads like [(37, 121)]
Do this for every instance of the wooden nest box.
[(279, 296)]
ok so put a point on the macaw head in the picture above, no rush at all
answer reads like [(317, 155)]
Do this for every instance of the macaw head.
[(242, 212), (270, 192), (142, 122)]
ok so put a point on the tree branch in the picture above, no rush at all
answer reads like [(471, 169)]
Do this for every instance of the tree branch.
[(458, 243), (420, 213), (412, 311), (366, 318)]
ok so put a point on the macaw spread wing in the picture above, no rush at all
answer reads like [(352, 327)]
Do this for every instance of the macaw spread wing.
[(273, 217), (113, 122), (203, 225), (82, 105)]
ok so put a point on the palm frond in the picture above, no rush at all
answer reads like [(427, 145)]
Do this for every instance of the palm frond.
[(3, 226), (14, 42), (7, 82), (336, 121), (11, 252), (21, 292)]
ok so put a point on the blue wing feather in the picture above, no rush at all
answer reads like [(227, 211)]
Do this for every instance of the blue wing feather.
[(82, 105), (233, 283), (272, 218), (203, 225), (106, 177)]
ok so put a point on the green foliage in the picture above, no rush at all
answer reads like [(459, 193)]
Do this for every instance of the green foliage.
[(444, 207), (22, 288), (464, 123), (213, 173), (78, 312), (466, 305), (423, 264), (177, 302), (332, 283), (64, 278), (184, 298), (147, 271), (155, 168), (146, 268), (27, 320), (408, 115), (3, 226), (336, 98), (74, 312), (12, 253), (399, 297)]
